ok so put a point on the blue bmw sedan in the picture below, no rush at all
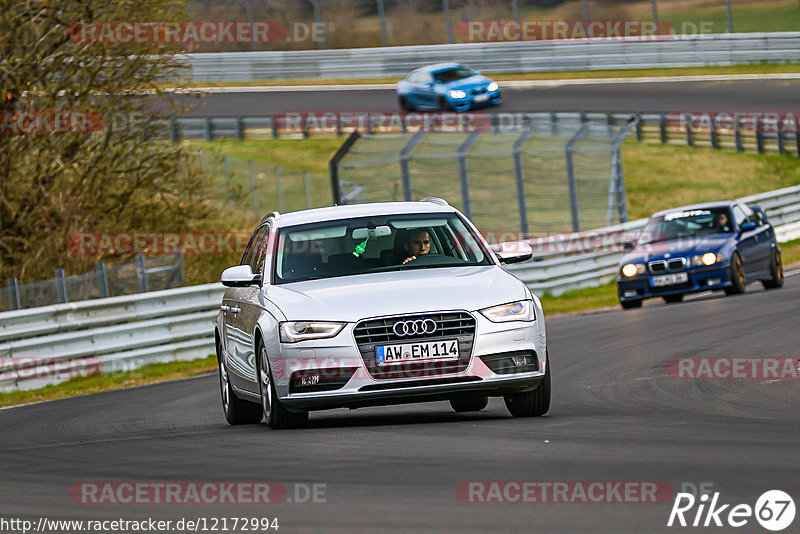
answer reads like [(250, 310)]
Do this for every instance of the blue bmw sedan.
[(446, 86), (721, 245)]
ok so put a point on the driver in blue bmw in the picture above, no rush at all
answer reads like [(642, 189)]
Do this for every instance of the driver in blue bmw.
[(419, 243)]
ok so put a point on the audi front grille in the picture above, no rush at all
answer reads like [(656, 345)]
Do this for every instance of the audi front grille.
[(451, 325)]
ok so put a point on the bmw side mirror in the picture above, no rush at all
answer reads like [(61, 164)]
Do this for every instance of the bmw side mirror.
[(627, 246), (746, 227), (513, 252), (760, 214), (240, 276)]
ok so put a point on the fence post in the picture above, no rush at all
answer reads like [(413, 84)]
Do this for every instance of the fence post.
[(318, 20), (239, 128), (279, 185), (759, 135), (382, 17), (253, 186), (13, 297), (522, 202), (228, 180), (638, 127), (729, 15), (662, 127), (181, 270), (448, 23), (102, 280), (207, 129), (689, 135), (404, 166), (712, 132), (61, 286), (573, 188), (463, 172), (173, 130), (737, 134), (616, 187), (141, 273), (333, 165), (307, 185), (781, 144)]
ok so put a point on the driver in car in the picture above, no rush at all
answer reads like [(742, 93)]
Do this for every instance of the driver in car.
[(419, 243), (721, 222)]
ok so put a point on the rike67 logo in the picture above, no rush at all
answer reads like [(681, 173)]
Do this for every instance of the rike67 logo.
[(774, 510)]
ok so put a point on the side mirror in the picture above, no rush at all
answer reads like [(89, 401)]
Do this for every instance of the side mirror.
[(627, 246), (760, 214), (513, 252), (746, 227), (240, 276)]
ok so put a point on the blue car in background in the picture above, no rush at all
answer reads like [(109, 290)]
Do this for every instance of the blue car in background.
[(446, 86), (721, 245)]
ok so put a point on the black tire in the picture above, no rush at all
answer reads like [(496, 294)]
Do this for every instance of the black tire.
[(776, 270), (474, 403), (671, 299), (236, 410), (405, 104), (737, 276), (444, 105), (531, 403), (630, 304), (273, 412)]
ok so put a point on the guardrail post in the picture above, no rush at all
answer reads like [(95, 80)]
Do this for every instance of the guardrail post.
[(405, 156), (554, 123), (573, 188), (239, 129), (712, 133), (689, 135), (253, 191), (13, 294), (228, 180), (737, 134), (463, 173), (781, 144), (279, 185), (61, 286), (759, 135), (174, 132), (141, 273), (639, 135), (102, 280), (181, 270), (307, 184), (520, 179), (662, 127), (207, 129), (273, 124), (797, 142)]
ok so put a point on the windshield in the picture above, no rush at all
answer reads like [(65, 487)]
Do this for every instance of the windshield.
[(375, 244), (449, 75), (687, 223)]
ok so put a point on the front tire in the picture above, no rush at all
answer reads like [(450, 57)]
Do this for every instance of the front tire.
[(405, 104), (444, 105), (469, 404), (737, 276), (531, 403), (273, 412), (776, 270), (236, 410)]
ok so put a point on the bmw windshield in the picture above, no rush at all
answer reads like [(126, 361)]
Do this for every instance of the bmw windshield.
[(687, 223), (451, 75), (375, 244)]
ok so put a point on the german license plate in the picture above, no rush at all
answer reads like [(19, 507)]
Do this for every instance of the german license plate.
[(669, 279), (415, 352), (481, 98)]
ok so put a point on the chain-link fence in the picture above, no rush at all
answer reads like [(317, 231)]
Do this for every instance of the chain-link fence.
[(552, 174), (140, 275)]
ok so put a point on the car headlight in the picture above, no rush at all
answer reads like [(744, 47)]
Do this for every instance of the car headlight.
[(492, 87), (709, 258), (294, 331), (521, 310), (457, 94), (632, 269)]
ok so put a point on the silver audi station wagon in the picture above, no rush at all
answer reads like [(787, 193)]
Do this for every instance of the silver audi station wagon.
[(377, 304)]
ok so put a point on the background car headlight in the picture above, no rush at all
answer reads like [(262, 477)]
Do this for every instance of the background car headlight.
[(492, 87), (521, 310), (632, 269), (294, 331), (457, 94)]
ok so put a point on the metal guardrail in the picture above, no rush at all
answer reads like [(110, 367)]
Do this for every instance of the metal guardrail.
[(521, 56), (556, 273), (40, 346)]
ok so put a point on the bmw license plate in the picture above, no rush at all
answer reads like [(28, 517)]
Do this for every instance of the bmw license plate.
[(408, 352), (669, 279), (481, 98)]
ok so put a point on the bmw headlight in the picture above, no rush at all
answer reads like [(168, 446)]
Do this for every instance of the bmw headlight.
[(492, 87), (457, 94), (521, 310), (632, 269), (709, 258), (294, 331)]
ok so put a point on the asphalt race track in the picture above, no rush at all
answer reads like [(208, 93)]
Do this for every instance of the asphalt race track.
[(742, 95), (616, 416)]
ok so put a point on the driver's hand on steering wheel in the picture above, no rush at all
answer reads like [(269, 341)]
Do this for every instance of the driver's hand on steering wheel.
[(409, 259)]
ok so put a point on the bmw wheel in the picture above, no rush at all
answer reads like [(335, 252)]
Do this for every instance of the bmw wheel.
[(274, 413), (737, 276), (405, 104), (237, 411), (531, 403), (776, 270), (444, 105)]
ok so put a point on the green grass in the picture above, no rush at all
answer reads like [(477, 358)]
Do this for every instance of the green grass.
[(148, 374), (591, 298), (790, 253)]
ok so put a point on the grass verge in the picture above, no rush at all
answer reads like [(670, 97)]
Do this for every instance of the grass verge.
[(95, 383)]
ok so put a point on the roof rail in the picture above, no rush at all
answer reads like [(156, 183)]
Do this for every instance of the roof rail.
[(435, 200)]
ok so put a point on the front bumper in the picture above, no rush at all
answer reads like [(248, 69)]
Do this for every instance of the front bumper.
[(700, 279), (465, 104), (345, 379)]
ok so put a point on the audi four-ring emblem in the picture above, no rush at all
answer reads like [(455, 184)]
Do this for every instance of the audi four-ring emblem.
[(418, 326)]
